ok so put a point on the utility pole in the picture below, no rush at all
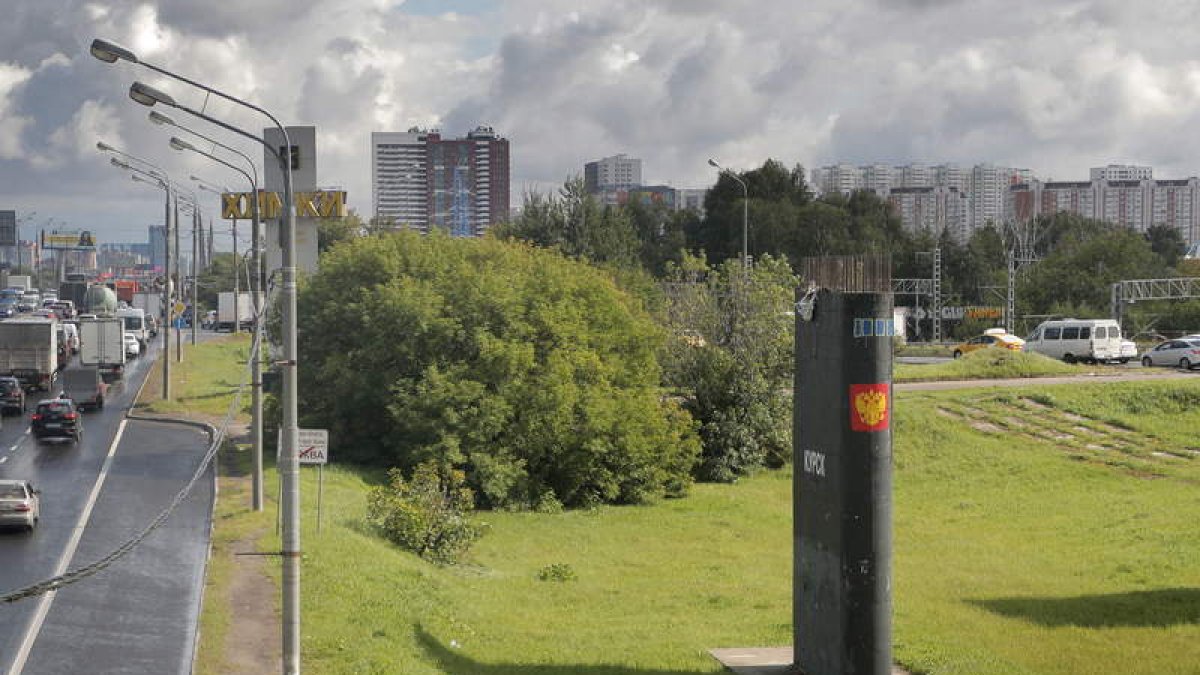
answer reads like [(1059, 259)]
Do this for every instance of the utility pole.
[(937, 294), (178, 289), (166, 330), (196, 225)]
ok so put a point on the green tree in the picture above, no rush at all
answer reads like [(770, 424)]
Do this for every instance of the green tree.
[(730, 360), (576, 224), (534, 374), (1167, 242), (332, 231)]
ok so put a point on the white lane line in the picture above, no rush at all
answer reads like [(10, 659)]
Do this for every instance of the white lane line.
[(43, 608), (3, 460)]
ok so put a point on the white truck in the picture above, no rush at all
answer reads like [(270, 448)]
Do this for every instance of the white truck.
[(29, 351), (22, 281), (135, 322), (226, 316), (102, 345), (150, 302)]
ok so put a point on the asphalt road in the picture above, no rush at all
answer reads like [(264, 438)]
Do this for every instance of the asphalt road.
[(137, 616)]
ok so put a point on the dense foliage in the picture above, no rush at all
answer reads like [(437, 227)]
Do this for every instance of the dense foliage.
[(732, 359), (535, 375), (428, 515)]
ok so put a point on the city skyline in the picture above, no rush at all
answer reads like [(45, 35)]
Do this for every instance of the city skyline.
[(1054, 89)]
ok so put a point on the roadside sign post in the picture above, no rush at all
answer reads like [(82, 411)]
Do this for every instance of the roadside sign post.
[(313, 448)]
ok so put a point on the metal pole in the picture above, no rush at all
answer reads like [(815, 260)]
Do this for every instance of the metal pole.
[(237, 315), (320, 493), (166, 339), (196, 224), (258, 292), (745, 232), (290, 473), (178, 287)]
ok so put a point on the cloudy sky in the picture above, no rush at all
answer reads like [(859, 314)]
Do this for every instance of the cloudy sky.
[(1055, 87)]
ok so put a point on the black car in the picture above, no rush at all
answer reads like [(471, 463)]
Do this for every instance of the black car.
[(57, 418), (12, 395)]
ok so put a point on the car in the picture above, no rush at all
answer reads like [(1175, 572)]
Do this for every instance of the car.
[(152, 325), (12, 395), (1182, 353), (56, 418), (992, 337), (85, 386), (132, 346), (20, 504)]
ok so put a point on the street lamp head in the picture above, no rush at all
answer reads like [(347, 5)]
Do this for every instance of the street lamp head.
[(110, 52), (713, 163), (120, 164), (103, 147), (159, 118), (148, 96), (180, 144)]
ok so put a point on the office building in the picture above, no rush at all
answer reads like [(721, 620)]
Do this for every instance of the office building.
[(421, 180), (619, 172)]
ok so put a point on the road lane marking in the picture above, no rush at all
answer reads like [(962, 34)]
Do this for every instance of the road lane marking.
[(43, 608), (3, 460)]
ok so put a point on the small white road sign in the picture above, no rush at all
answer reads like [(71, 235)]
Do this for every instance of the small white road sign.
[(313, 446)]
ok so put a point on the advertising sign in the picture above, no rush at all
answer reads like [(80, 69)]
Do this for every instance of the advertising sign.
[(69, 240), (8, 228)]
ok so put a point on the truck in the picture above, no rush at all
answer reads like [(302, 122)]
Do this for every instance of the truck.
[(22, 281), (86, 386), (29, 351), (125, 288), (135, 322), (75, 291), (102, 345), (149, 302), (226, 319)]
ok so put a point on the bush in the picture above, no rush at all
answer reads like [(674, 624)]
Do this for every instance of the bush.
[(559, 572), (535, 375), (428, 515)]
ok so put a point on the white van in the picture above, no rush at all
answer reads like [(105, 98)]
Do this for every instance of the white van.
[(1086, 340)]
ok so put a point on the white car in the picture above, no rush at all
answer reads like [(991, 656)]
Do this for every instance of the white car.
[(1182, 353), (19, 504), (132, 347)]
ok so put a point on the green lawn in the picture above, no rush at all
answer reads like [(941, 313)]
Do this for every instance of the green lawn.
[(203, 382), (1043, 530), (988, 364)]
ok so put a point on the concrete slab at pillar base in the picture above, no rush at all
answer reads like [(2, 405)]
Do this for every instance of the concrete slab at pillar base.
[(764, 661)]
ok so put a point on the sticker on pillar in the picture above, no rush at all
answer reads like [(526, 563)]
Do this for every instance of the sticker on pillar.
[(869, 407), (874, 328)]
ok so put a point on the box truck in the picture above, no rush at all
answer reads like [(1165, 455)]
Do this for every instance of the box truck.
[(226, 316), (29, 351), (102, 345)]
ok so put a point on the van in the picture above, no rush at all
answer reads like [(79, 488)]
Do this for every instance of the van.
[(1072, 340)]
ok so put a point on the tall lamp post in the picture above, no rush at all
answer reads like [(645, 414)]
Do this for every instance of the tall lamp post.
[(290, 469), (745, 215), (165, 181)]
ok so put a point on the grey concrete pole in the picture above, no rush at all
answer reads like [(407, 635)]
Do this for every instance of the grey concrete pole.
[(196, 225), (290, 471), (178, 285), (237, 324), (166, 340), (258, 291)]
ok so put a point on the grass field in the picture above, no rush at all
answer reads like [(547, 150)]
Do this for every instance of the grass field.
[(1044, 530), (989, 364)]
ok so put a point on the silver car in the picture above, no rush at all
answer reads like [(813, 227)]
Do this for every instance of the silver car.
[(19, 504), (1183, 353)]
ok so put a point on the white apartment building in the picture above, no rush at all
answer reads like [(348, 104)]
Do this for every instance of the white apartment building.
[(399, 177), (1121, 172), (981, 191), (936, 209), (619, 172)]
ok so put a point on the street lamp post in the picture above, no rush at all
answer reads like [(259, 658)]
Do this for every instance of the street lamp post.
[(745, 216), (290, 469), (165, 180)]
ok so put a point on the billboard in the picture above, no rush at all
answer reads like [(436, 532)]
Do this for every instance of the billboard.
[(70, 240), (8, 228)]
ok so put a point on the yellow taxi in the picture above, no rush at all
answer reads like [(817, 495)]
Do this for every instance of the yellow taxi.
[(992, 337)]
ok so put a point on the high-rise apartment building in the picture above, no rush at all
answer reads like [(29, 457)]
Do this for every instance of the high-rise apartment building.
[(1137, 204), (421, 180), (619, 172), (1121, 172), (158, 247), (979, 193)]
